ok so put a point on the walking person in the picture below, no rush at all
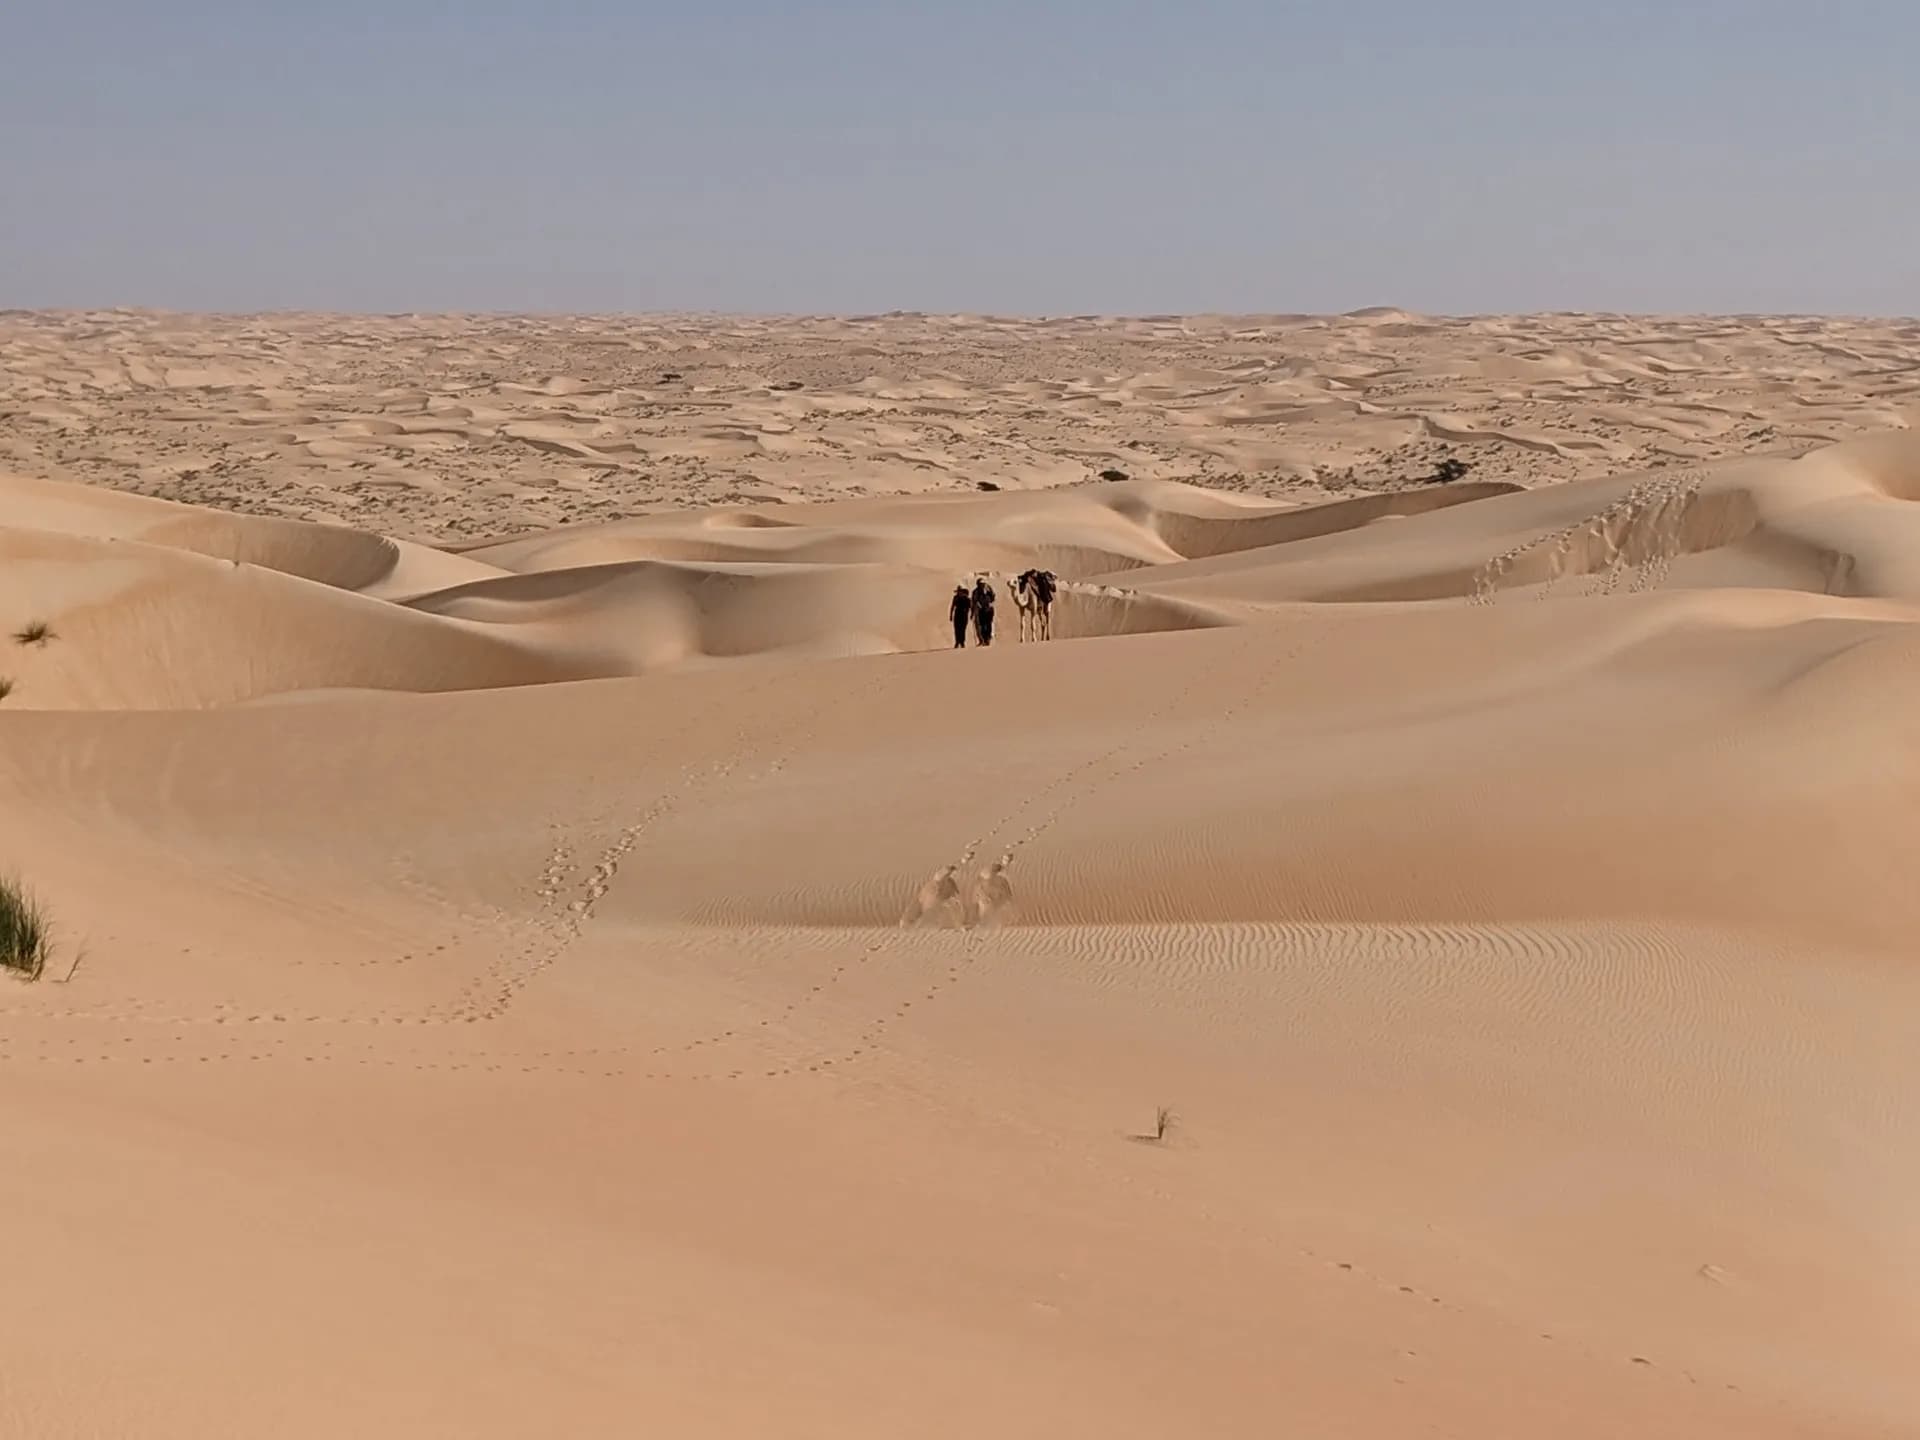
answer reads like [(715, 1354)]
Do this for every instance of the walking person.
[(960, 611), (983, 611)]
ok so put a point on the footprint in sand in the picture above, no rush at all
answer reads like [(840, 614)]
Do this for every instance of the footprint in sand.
[(990, 895), (937, 901)]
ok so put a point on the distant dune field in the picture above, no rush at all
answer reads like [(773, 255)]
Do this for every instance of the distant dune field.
[(448, 427)]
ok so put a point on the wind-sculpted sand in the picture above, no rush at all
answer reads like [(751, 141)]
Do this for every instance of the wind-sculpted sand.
[(632, 976), (446, 427)]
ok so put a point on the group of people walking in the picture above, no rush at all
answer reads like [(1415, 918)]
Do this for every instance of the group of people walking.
[(1032, 591), (974, 605)]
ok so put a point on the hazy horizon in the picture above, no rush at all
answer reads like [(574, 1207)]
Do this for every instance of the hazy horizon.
[(1063, 159), (717, 313)]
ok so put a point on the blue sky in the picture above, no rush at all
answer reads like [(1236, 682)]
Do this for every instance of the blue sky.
[(1057, 156)]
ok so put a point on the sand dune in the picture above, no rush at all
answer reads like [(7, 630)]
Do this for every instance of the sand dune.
[(447, 428), (632, 976)]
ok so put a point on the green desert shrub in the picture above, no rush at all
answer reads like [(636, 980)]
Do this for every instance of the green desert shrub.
[(23, 931)]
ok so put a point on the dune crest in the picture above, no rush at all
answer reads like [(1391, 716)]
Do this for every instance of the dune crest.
[(182, 608)]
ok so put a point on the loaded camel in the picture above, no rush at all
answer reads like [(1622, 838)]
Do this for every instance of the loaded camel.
[(1033, 592)]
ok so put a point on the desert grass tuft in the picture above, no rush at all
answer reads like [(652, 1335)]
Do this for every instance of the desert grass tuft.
[(6, 687), (23, 931), (34, 632)]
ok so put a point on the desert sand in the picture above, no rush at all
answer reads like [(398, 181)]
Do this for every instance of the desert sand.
[(549, 940)]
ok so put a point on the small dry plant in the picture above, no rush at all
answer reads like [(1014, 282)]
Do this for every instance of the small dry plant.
[(34, 632), (1162, 1123)]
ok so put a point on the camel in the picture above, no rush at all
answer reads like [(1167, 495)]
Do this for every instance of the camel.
[(1033, 592)]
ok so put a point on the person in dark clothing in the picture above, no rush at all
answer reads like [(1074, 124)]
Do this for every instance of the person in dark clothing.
[(983, 611), (960, 611)]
